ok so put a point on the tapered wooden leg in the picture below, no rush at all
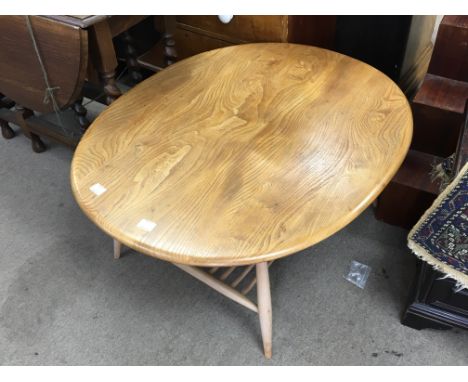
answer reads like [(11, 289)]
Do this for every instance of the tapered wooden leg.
[(264, 306), (117, 249)]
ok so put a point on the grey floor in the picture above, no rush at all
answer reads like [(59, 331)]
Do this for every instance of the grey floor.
[(65, 301)]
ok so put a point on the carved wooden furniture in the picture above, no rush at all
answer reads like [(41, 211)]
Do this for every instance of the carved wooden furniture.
[(72, 49), (22, 79), (240, 156), (434, 301), (399, 46), (438, 109), (164, 52), (103, 59), (197, 34)]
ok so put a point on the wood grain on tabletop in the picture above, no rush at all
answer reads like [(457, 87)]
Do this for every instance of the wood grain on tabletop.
[(242, 154)]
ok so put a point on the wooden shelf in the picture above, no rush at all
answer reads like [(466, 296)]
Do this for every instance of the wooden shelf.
[(443, 93), (456, 21), (438, 112), (416, 172)]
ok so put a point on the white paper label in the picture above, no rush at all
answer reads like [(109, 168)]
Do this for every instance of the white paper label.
[(146, 225), (98, 189)]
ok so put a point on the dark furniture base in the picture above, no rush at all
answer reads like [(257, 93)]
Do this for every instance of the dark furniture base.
[(434, 302)]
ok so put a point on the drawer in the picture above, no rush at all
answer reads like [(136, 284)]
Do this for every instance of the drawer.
[(189, 43), (240, 28)]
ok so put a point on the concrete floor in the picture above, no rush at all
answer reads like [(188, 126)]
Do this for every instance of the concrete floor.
[(65, 301)]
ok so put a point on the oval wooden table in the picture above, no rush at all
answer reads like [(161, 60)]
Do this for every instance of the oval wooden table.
[(239, 156)]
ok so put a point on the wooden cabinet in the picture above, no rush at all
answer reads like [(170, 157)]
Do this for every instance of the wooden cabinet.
[(435, 302), (240, 29), (438, 113), (190, 43), (197, 34)]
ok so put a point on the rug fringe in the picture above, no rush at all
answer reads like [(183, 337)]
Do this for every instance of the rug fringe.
[(460, 278), (420, 252)]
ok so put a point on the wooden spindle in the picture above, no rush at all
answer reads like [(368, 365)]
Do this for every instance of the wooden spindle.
[(249, 287), (226, 273), (242, 276), (219, 286)]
